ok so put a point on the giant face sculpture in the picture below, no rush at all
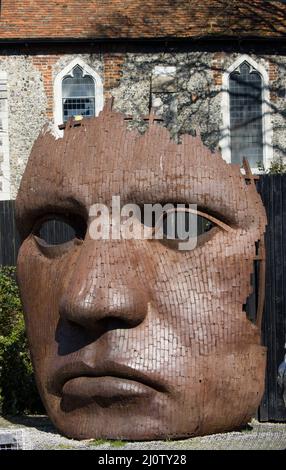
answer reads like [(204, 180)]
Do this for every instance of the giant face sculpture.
[(133, 338)]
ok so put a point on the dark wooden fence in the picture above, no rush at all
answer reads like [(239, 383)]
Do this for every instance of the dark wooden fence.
[(273, 192), (272, 189), (9, 238)]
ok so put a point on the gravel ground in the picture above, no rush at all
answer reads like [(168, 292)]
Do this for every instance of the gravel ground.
[(38, 433)]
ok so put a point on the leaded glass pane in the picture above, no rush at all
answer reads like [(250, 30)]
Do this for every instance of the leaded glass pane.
[(245, 88), (78, 107), (78, 94)]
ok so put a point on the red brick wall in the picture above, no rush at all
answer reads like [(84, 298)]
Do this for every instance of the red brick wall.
[(217, 68), (112, 70), (44, 65), (273, 75)]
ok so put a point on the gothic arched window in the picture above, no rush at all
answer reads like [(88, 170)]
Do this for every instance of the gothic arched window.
[(246, 120), (78, 94)]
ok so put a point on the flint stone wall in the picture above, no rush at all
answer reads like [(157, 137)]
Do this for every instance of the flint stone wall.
[(185, 87)]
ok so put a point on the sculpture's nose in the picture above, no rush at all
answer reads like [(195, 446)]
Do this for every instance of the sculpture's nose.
[(104, 289), (125, 305)]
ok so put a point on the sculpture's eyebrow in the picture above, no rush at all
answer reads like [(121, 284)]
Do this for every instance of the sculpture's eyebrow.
[(224, 209), (29, 209)]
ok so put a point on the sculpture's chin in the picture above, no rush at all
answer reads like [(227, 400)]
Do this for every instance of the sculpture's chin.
[(126, 422), (130, 423), (223, 399)]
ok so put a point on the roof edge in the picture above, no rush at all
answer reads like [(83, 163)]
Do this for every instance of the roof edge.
[(161, 39)]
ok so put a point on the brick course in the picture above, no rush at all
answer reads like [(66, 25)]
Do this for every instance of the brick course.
[(217, 66), (112, 70), (44, 65)]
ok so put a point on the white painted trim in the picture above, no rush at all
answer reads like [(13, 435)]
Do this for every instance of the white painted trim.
[(5, 177), (87, 70), (267, 130), (169, 70)]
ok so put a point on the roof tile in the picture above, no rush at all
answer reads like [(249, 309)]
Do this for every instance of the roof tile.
[(102, 19)]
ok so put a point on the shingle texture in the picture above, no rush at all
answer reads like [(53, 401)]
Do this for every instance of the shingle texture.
[(100, 19)]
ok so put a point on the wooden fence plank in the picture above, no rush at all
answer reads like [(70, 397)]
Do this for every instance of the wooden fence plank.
[(263, 413)]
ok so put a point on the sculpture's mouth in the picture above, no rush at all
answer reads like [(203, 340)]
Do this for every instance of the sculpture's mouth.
[(108, 383), (105, 391)]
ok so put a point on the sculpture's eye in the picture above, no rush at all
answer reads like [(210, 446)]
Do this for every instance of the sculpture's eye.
[(55, 234), (181, 225)]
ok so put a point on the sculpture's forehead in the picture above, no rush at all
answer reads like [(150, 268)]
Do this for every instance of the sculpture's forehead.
[(125, 161), (102, 158)]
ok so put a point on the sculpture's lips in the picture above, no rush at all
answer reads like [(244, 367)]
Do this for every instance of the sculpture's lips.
[(106, 391), (107, 377)]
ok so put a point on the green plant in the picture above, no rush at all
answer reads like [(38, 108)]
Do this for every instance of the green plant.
[(18, 392), (277, 167), (62, 447), (97, 442), (117, 443), (10, 304)]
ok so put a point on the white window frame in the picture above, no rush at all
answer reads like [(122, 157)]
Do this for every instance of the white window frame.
[(267, 131), (5, 177), (68, 70)]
